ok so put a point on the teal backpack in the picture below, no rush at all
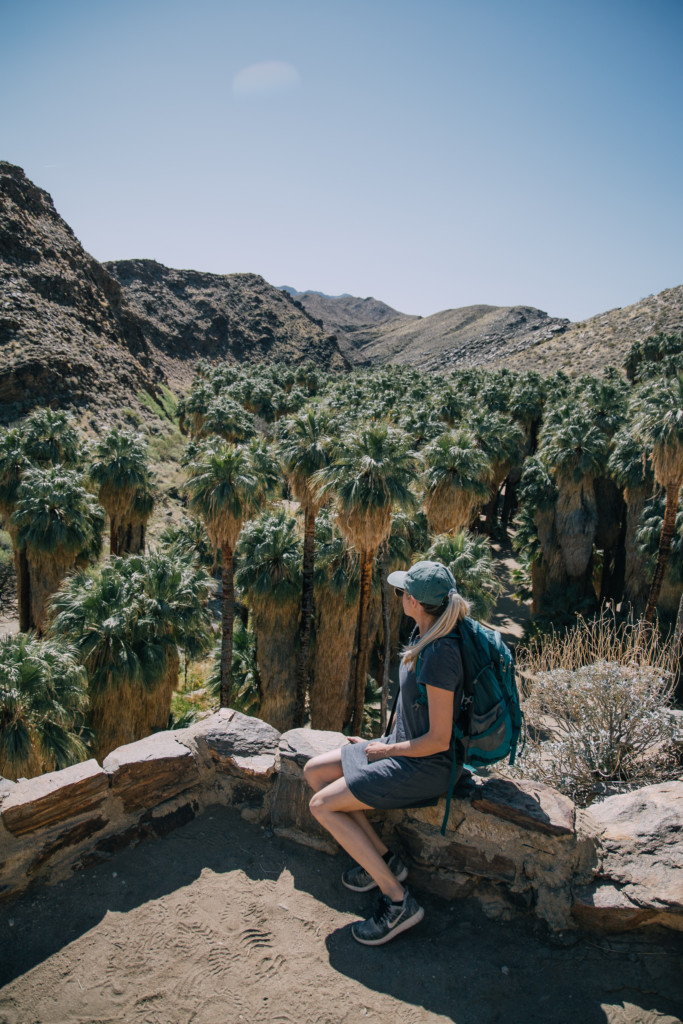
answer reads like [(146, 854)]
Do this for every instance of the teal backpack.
[(490, 719)]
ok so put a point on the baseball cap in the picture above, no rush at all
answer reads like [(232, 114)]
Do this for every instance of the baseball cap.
[(428, 582)]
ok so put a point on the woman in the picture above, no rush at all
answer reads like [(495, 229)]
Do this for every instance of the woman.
[(411, 766)]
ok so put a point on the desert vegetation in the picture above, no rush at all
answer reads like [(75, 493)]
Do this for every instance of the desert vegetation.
[(302, 490)]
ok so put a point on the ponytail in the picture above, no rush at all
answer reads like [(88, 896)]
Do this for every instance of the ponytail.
[(450, 613)]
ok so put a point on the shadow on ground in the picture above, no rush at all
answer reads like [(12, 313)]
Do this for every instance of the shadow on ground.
[(456, 965)]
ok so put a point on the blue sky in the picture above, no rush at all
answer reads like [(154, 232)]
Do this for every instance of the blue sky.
[(433, 154)]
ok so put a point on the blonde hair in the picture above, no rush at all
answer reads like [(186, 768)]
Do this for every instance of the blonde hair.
[(454, 610)]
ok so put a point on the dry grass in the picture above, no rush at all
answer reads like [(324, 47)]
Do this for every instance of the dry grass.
[(631, 643), (598, 707)]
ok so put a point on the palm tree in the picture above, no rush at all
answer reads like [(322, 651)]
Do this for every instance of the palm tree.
[(536, 538), (371, 472), (50, 438), (337, 581), (13, 463), (43, 703), (127, 620), (304, 449), (660, 427), (457, 478), (630, 470), (269, 574), (120, 472), (226, 485), (502, 441), (60, 524), (193, 408), (527, 400), (244, 671), (470, 560), (226, 418), (576, 453)]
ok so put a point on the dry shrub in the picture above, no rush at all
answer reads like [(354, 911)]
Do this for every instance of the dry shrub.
[(598, 707)]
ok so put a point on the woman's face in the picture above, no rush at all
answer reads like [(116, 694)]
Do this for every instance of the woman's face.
[(409, 605)]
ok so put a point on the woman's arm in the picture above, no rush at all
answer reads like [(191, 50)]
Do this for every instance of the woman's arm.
[(438, 738)]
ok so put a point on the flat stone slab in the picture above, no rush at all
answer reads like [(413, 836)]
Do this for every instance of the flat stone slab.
[(7, 787), (531, 805), (54, 797), (297, 746), (642, 843), (435, 852), (237, 744), (150, 771), (604, 906)]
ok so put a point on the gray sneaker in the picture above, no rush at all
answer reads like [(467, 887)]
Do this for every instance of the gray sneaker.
[(388, 920), (358, 879)]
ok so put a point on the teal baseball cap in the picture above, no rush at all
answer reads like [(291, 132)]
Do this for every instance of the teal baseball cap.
[(428, 582)]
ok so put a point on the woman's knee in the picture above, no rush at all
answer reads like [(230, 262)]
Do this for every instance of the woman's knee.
[(315, 805), (322, 769), (311, 772)]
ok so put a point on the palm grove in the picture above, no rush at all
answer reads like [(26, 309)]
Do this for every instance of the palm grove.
[(303, 491)]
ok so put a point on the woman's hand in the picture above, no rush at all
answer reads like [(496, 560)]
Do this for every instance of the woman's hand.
[(376, 751), (353, 739)]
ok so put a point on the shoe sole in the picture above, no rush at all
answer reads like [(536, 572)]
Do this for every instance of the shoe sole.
[(402, 927), (400, 877)]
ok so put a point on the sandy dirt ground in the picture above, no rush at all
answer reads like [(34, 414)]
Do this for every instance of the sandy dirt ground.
[(221, 922)]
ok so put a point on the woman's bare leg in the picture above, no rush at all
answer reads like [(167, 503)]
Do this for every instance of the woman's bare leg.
[(324, 769), (338, 810)]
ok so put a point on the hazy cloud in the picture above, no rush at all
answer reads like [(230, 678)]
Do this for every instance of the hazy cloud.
[(268, 77)]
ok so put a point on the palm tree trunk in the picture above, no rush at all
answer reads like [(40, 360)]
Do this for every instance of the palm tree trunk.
[(492, 510), (23, 589), (228, 617), (386, 630), (113, 538), (668, 529), (306, 615), (678, 633), (367, 559)]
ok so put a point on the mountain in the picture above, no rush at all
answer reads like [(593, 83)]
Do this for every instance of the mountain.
[(605, 339), (74, 332), (66, 335), (186, 315), (458, 338), (354, 321), (518, 337)]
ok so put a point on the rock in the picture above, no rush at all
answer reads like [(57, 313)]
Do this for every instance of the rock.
[(297, 746), (7, 787), (151, 770), (71, 837), (641, 876), (603, 906), (236, 743), (54, 797), (532, 805), (449, 854), (290, 816)]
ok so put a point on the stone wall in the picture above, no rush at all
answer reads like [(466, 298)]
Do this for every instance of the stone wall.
[(514, 846)]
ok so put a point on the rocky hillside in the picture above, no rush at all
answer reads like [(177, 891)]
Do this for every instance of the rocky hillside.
[(519, 337), (469, 336), (603, 340), (353, 320), (66, 335), (186, 315), (75, 333)]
